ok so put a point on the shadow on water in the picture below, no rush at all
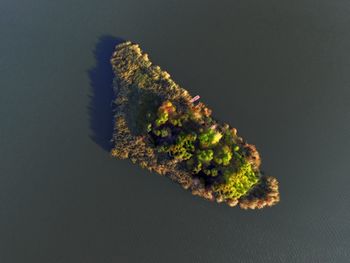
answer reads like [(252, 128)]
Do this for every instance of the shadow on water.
[(101, 79)]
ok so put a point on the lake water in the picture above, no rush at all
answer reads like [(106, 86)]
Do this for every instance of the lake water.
[(278, 71)]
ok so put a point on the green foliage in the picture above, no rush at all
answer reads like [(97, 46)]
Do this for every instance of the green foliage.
[(164, 132), (149, 127), (209, 138), (176, 122), (183, 148), (157, 132), (223, 155), (205, 156), (211, 152), (197, 167), (162, 118), (237, 183), (211, 172)]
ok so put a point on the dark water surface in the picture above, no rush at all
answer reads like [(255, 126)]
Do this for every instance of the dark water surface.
[(277, 70)]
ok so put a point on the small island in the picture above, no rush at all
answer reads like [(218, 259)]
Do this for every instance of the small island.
[(161, 127)]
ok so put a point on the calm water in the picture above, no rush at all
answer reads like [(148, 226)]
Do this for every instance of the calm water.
[(276, 70)]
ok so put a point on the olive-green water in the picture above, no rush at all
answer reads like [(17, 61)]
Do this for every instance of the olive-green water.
[(277, 70)]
